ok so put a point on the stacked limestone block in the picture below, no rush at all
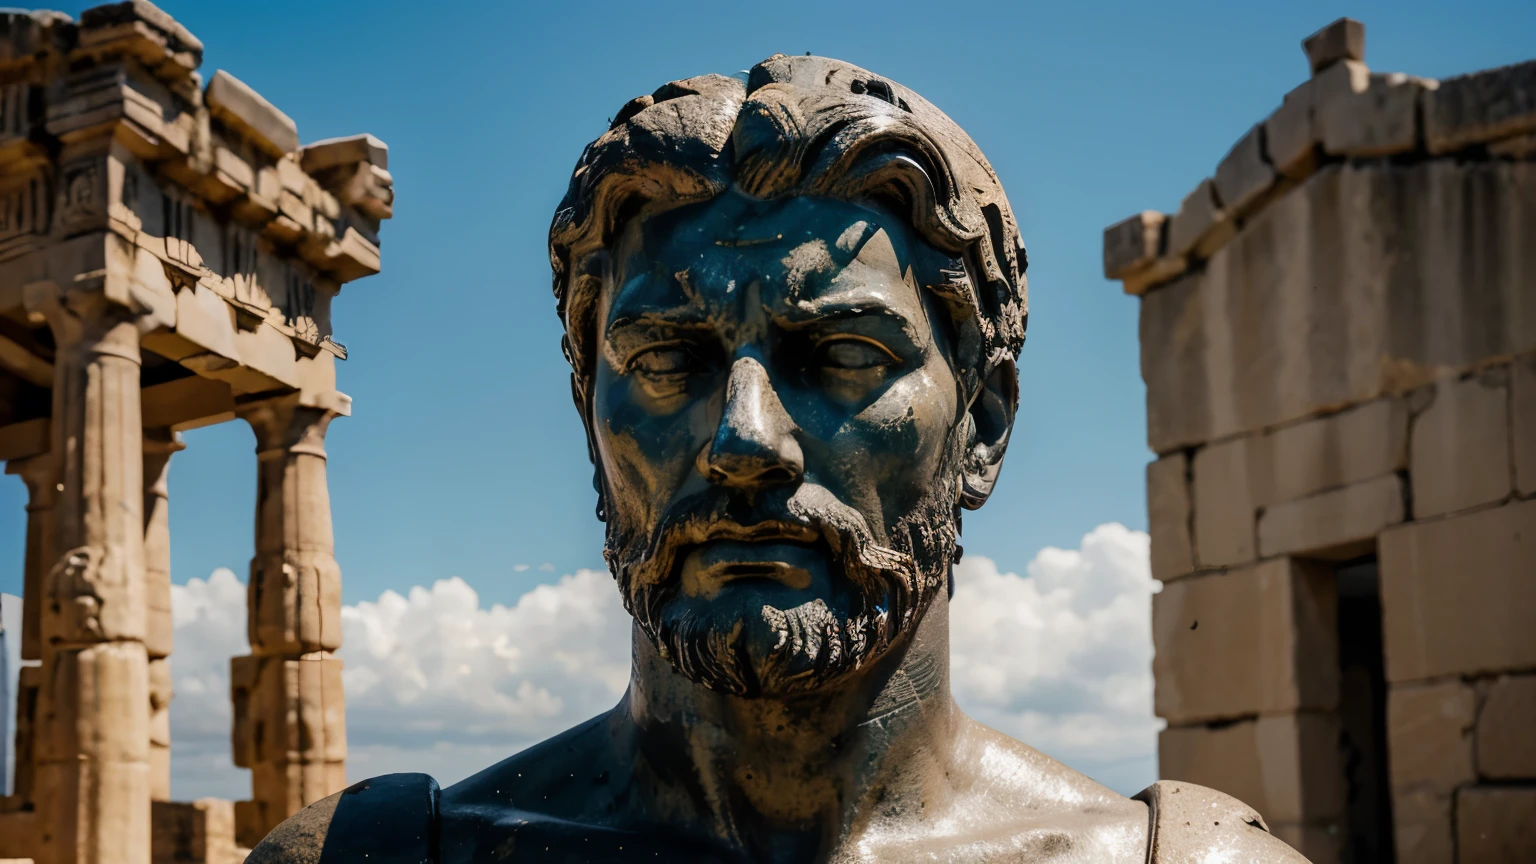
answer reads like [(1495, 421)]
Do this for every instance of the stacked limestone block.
[(1338, 335), (169, 255)]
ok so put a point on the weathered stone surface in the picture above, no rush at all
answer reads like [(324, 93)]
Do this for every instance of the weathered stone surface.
[(135, 176), (1159, 272), (1173, 357), (108, 801), (1168, 517), (1337, 85), (1245, 174), (1260, 639), (1303, 312), (1201, 226), (334, 152), (1461, 453), (1522, 386), (18, 828), (1421, 827), (1380, 120), (97, 705), (195, 832), (1343, 39), (1457, 594), (188, 403), (1286, 766), (1337, 524), (1337, 450), (245, 111), (1495, 825), (1506, 746), (1429, 735), (1224, 508), (1134, 243), (28, 711), (1289, 136), (1518, 147), (159, 755), (1484, 106)]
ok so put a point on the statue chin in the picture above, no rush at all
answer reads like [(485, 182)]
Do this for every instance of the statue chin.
[(756, 637), (731, 647)]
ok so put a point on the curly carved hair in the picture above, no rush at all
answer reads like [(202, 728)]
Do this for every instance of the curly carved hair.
[(798, 126)]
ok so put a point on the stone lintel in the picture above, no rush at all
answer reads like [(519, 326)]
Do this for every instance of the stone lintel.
[(334, 152), (188, 403), (249, 114)]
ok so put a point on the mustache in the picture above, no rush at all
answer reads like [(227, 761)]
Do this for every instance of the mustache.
[(809, 513)]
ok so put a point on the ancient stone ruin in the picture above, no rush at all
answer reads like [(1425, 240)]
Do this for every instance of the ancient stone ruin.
[(1338, 337), (169, 254)]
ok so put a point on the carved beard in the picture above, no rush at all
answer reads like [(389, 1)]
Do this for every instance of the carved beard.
[(773, 651)]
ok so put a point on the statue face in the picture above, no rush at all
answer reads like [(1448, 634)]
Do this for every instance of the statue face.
[(780, 429)]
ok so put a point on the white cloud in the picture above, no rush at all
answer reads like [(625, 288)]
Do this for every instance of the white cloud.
[(433, 678), (1061, 657), (210, 628), (436, 682)]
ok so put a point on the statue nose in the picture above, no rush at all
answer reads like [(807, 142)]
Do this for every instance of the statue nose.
[(755, 445)]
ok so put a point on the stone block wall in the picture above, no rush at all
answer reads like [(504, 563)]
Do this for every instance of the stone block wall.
[(1338, 338)]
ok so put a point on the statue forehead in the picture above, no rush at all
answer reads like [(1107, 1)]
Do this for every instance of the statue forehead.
[(750, 238)]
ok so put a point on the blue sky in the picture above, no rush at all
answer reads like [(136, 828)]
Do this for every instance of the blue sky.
[(464, 456)]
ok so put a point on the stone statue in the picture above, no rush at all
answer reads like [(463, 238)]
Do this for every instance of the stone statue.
[(792, 307)]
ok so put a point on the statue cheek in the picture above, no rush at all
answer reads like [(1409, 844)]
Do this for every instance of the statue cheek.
[(897, 441), (652, 452)]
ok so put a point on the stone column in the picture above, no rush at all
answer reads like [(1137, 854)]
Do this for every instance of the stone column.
[(290, 720), (92, 736), (159, 445), (40, 475)]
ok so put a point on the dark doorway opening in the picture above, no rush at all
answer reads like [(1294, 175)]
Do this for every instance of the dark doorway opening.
[(1363, 713)]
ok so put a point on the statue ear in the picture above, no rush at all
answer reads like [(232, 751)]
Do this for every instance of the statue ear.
[(990, 420)]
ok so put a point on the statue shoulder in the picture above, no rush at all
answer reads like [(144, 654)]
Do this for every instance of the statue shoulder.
[(1191, 823), (391, 819)]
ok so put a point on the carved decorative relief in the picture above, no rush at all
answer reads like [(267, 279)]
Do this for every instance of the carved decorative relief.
[(23, 213), (299, 305), (82, 196)]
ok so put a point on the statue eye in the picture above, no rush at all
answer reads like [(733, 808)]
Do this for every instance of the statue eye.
[(663, 360), (853, 354)]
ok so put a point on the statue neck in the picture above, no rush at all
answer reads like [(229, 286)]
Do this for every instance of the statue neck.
[(793, 778)]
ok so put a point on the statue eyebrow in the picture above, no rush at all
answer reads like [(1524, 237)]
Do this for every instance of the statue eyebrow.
[(629, 333), (848, 307)]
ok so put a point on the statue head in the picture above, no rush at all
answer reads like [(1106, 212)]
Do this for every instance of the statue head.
[(792, 307)]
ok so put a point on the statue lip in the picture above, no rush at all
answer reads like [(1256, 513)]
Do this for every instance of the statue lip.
[(773, 550), (768, 530)]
